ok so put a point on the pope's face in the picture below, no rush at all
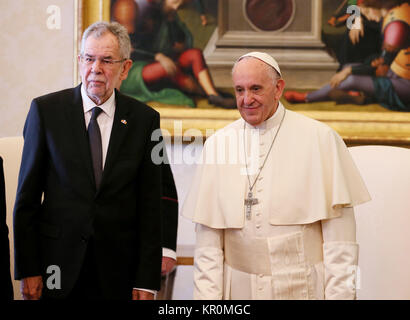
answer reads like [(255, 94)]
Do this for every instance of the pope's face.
[(99, 77), (257, 94)]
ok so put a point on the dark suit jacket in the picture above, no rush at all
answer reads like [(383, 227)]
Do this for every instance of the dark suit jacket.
[(123, 217), (6, 287)]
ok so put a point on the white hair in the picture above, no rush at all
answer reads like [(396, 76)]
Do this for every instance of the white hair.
[(119, 31)]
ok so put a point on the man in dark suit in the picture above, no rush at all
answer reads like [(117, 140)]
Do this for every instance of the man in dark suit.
[(6, 287), (97, 232)]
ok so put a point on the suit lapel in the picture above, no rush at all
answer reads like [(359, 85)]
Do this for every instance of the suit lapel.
[(75, 117), (118, 132)]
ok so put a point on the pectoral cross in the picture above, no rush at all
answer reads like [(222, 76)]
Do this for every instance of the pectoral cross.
[(249, 202)]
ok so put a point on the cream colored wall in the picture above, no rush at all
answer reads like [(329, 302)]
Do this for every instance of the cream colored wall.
[(34, 59)]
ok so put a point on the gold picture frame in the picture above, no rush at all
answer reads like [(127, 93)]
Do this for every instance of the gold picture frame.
[(356, 128), (185, 124)]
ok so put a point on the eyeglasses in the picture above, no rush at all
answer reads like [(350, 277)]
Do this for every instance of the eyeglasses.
[(88, 60)]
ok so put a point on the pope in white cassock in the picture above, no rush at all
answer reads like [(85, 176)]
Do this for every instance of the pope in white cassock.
[(282, 228)]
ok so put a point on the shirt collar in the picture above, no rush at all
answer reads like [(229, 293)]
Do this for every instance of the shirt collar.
[(108, 106)]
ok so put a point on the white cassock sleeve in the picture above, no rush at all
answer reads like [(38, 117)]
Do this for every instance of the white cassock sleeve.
[(208, 263), (340, 255)]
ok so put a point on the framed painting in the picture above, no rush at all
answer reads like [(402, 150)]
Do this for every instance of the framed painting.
[(302, 39)]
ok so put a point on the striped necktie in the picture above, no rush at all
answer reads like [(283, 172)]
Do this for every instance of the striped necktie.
[(94, 137)]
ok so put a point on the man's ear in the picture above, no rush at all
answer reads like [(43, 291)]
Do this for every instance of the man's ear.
[(125, 69)]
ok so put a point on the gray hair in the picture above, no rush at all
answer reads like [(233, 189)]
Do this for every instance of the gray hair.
[(100, 28), (272, 73)]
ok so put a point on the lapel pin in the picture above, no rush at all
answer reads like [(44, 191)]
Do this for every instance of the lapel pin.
[(124, 121)]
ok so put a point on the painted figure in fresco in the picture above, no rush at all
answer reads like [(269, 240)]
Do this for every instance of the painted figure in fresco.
[(359, 42), (164, 59), (386, 78)]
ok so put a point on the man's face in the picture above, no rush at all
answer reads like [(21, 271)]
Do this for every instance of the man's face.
[(257, 95), (100, 77)]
